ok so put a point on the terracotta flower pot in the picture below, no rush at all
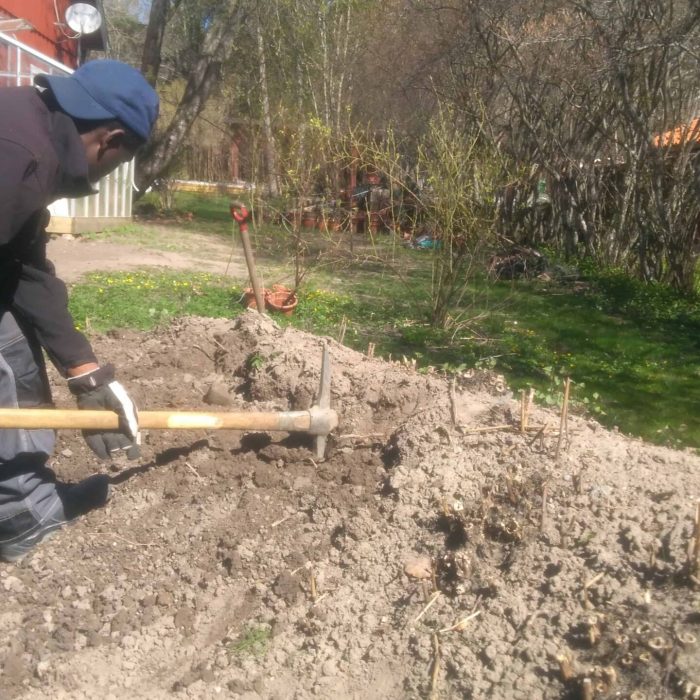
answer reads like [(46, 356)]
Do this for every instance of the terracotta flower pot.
[(249, 297), (308, 220), (281, 299)]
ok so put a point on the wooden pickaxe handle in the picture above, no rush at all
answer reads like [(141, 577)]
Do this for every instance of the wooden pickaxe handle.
[(319, 420), (316, 421)]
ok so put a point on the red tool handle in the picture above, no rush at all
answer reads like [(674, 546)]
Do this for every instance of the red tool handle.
[(240, 215)]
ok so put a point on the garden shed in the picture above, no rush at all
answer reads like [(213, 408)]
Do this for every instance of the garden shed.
[(37, 40)]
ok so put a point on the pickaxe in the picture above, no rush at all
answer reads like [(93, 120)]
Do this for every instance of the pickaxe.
[(318, 421)]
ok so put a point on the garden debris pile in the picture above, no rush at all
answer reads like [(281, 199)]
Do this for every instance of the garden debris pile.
[(427, 556)]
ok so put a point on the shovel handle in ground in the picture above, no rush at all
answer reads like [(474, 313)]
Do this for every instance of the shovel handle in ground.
[(241, 215)]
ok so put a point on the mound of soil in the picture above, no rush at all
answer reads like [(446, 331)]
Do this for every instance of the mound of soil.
[(436, 552)]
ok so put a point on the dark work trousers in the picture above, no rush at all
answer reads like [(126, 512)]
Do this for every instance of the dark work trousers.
[(28, 490)]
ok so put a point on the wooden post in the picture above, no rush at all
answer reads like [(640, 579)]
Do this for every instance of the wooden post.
[(235, 164), (564, 416)]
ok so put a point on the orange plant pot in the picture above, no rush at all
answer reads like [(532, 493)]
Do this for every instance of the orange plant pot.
[(249, 297), (281, 299)]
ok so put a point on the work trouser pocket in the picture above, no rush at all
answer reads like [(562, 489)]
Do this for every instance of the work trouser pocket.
[(22, 385)]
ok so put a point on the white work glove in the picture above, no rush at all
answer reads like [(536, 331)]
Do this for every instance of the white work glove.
[(98, 390)]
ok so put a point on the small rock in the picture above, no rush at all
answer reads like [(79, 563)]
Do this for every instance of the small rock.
[(184, 620), (329, 668), (165, 599), (218, 395), (208, 676), (41, 668), (419, 567), (244, 552), (66, 453), (287, 587), (13, 585), (301, 483)]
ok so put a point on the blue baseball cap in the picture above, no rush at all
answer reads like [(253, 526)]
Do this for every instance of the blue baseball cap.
[(104, 89)]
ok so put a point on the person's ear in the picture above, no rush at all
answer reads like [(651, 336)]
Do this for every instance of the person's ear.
[(111, 139)]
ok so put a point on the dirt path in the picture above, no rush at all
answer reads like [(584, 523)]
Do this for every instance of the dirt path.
[(74, 257)]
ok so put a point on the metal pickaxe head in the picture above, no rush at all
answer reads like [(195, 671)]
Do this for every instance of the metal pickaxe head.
[(323, 418)]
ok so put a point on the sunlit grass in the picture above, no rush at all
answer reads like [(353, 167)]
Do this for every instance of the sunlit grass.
[(144, 300), (631, 350)]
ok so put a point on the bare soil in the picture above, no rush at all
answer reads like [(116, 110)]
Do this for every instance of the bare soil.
[(437, 552), (179, 250)]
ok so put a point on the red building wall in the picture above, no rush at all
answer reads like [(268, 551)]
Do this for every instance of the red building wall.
[(50, 34)]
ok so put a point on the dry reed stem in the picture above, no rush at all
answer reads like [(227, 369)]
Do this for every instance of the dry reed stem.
[(587, 689), (343, 329), (564, 416), (204, 352), (585, 600), (528, 405), (220, 346), (594, 580), (370, 350), (312, 583), (522, 410), (539, 434), (588, 584), (430, 604), (461, 624), (566, 669), (695, 558), (435, 675), (194, 471), (545, 493), (299, 568), (453, 401), (277, 523)]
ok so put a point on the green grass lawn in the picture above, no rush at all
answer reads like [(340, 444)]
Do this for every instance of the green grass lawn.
[(633, 352)]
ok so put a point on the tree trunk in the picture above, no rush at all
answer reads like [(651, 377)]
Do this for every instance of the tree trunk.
[(157, 19), (269, 148), (218, 45)]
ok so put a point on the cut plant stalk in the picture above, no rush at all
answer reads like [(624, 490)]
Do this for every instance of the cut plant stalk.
[(695, 557), (435, 674), (565, 667), (564, 416)]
